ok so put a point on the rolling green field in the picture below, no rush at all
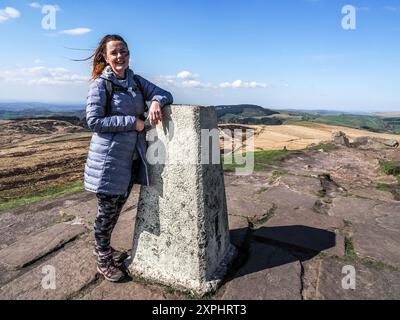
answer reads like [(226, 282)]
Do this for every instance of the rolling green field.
[(364, 122), (356, 121), (370, 123)]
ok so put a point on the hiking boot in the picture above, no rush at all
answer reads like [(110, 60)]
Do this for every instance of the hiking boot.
[(118, 256), (106, 266)]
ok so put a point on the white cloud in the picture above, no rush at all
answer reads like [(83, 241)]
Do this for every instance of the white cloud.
[(240, 84), (225, 85), (195, 84), (185, 79), (42, 76), (237, 84), (9, 13), (35, 5), (76, 31), (186, 75), (37, 61), (191, 84), (33, 70)]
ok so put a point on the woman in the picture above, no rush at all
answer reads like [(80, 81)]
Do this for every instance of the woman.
[(115, 108)]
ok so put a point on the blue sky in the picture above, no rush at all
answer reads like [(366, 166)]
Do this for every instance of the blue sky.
[(281, 54)]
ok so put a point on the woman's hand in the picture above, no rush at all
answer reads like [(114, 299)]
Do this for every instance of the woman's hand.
[(139, 125), (155, 113)]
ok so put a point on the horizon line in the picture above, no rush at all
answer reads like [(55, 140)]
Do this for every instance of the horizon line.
[(349, 110)]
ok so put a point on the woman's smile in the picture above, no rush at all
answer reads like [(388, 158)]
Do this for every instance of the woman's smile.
[(117, 56)]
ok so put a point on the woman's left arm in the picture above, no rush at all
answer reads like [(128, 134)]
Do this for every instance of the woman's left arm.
[(153, 93), (158, 97)]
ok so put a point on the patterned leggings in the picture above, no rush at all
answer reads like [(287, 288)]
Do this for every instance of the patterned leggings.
[(109, 209)]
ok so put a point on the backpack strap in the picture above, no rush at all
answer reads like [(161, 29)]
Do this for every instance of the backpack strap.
[(109, 95), (111, 88), (139, 86)]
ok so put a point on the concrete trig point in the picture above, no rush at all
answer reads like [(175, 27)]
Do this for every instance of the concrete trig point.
[(181, 236)]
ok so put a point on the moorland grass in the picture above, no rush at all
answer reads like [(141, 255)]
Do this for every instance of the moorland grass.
[(34, 197)]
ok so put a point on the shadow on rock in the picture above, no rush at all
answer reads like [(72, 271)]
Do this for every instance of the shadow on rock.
[(269, 247)]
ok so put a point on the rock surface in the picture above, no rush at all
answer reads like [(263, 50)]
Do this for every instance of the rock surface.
[(295, 231), (269, 273), (73, 268), (32, 248), (324, 278)]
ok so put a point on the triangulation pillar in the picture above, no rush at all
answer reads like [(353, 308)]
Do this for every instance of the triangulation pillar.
[(181, 236)]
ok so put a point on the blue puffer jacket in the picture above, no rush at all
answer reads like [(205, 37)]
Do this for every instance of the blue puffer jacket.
[(108, 167)]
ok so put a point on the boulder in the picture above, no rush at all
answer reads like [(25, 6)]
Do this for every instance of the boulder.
[(391, 143), (341, 138)]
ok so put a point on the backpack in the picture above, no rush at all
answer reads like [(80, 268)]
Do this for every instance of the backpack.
[(111, 88)]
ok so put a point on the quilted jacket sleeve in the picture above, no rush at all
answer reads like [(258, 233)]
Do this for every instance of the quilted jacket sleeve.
[(151, 92), (96, 109)]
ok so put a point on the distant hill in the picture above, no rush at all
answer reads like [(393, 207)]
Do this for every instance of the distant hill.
[(246, 114), (388, 114), (355, 121), (30, 110), (34, 113), (322, 112), (245, 110), (358, 121), (38, 106), (238, 114)]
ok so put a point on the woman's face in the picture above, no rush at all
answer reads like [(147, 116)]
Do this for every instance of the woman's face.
[(117, 56)]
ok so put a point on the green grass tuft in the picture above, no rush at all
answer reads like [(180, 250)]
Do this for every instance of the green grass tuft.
[(255, 222), (383, 187), (349, 247), (52, 193), (263, 160), (390, 167), (378, 264), (321, 193), (324, 146), (278, 173)]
